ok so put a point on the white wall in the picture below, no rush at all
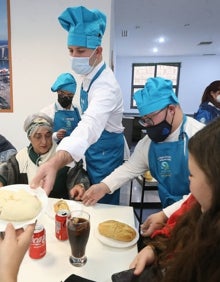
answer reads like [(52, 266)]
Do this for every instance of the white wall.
[(195, 74), (39, 55)]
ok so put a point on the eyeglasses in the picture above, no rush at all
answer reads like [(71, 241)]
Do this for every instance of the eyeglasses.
[(148, 121), (65, 94)]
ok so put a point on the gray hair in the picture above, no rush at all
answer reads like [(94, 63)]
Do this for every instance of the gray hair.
[(33, 121)]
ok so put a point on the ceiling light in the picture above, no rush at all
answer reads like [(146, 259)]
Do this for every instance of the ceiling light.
[(161, 40), (155, 50)]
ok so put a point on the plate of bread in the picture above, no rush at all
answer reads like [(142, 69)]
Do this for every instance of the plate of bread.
[(116, 234), (21, 205), (61, 204)]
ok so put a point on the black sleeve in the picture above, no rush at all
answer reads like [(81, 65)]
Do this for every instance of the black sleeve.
[(77, 175)]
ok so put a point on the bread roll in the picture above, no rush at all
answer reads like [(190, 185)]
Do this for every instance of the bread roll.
[(117, 230), (18, 205), (148, 176), (61, 205)]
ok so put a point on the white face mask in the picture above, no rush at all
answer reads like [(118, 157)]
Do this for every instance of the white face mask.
[(81, 64), (218, 99)]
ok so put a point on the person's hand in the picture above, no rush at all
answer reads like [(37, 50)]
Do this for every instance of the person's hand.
[(145, 257), (153, 222), (61, 134), (77, 192), (12, 250), (46, 174), (95, 193), (45, 177)]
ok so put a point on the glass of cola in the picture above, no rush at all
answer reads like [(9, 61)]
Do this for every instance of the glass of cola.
[(78, 227)]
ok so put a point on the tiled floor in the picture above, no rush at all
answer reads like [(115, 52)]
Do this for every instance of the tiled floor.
[(150, 196)]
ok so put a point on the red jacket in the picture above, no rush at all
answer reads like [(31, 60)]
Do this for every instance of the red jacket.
[(186, 205)]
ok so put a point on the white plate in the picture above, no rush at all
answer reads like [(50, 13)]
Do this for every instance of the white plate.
[(39, 193), (73, 205), (115, 243)]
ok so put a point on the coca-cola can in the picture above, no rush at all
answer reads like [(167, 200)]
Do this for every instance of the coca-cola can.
[(60, 224), (37, 247)]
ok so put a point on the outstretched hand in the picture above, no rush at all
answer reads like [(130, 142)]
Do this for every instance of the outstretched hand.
[(45, 177), (47, 172), (95, 193), (153, 222)]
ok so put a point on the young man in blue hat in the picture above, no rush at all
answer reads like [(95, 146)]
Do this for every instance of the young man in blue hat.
[(163, 150), (99, 134), (64, 114)]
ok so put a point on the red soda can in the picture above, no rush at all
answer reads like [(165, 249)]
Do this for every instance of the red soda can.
[(37, 247), (60, 224)]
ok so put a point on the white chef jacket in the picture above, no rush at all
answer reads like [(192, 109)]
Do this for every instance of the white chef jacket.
[(105, 110)]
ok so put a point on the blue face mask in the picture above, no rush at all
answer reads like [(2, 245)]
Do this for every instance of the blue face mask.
[(80, 65)]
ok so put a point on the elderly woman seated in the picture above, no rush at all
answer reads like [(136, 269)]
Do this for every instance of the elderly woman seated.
[(22, 167)]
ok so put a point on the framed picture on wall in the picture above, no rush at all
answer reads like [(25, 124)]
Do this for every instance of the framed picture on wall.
[(6, 97)]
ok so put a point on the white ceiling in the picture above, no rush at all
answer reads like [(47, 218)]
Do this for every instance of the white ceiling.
[(183, 24)]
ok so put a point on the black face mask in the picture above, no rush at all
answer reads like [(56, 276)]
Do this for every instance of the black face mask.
[(65, 101), (160, 131)]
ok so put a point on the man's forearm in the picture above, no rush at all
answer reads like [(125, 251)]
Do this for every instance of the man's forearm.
[(61, 159)]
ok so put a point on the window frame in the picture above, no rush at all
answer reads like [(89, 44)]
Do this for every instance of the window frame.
[(135, 87)]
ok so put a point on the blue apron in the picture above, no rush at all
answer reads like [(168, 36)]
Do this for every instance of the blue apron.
[(66, 119), (168, 163), (106, 154)]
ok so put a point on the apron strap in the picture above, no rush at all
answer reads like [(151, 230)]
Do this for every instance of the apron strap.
[(84, 94), (183, 134), (77, 113)]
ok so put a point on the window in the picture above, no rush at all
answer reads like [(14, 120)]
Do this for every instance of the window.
[(141, 72)]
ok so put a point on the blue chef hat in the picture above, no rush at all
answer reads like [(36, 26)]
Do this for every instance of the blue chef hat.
[(66, 82), (156, 95), (85, 27)]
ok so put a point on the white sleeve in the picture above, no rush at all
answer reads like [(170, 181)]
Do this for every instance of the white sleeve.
[(175, 206), (93, 122), (54, 136), (135, 166)]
